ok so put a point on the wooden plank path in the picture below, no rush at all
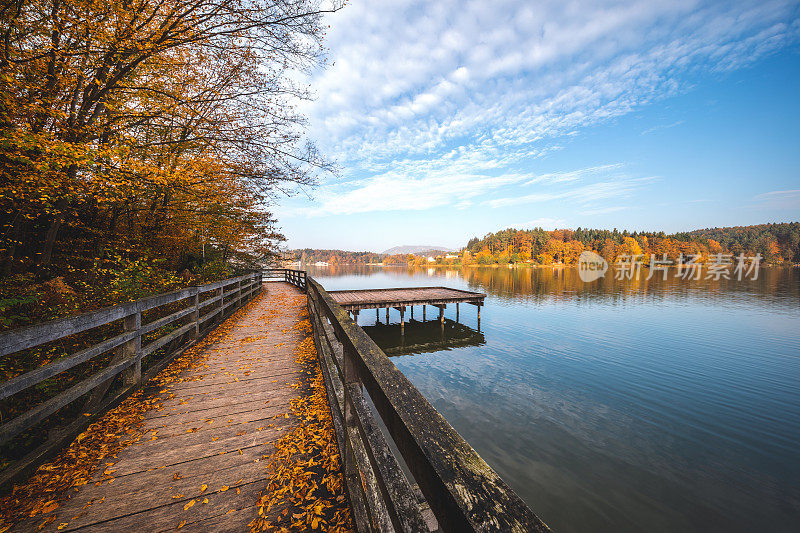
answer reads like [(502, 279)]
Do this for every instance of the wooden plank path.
[(201, 460)]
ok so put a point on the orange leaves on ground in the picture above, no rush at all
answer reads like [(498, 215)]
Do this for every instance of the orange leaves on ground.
[(305, 480)]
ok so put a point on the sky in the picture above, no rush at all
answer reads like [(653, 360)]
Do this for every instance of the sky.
[(453, 119)]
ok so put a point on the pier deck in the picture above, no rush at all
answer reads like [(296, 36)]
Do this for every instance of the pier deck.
[(356, 300)]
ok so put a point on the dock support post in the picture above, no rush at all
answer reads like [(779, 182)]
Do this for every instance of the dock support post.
[(355, 316), (479, 318), (387, 316), (412, 312), (423, 312), (441, 314), (377, 315), (456, 312), (402, 321)]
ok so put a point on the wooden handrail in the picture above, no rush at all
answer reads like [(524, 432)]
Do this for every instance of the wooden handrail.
[(289, 275), (130, 351), (463, 492)]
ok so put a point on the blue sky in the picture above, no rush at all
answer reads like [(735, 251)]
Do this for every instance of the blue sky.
[(452, 119)]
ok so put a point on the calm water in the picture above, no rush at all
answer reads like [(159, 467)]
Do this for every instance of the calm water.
[(659, 406)]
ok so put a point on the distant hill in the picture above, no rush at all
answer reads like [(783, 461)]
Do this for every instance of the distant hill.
[(417, 250)]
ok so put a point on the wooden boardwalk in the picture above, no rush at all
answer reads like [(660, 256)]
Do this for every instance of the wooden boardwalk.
[(201, 460)]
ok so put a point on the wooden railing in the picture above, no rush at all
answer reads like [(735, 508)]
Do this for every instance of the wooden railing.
[(295, 277), (197, 315), (462, 491)]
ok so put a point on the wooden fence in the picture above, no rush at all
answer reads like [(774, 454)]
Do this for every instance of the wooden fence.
[(295, 277), (463, 492), (198, 315)]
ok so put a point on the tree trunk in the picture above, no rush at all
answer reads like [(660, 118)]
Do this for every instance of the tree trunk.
[(52, 233), (17, 230)]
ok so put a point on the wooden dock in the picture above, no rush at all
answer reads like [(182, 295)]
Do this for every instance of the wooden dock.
[(403, 297), (200, 461)]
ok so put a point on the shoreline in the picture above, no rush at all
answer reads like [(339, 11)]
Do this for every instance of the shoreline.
[(515, 265)]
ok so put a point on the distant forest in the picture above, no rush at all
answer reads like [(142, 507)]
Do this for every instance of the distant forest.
[(310, 255), (776, 243)]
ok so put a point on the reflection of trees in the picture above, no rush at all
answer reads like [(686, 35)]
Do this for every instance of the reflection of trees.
[(776, 285)]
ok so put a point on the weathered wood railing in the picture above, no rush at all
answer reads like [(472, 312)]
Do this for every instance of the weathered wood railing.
[(463, 492), (295, 277), (229, 294)]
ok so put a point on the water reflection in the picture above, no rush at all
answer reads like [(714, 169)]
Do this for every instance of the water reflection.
[(424, 337), (650, 405), (774, 286)]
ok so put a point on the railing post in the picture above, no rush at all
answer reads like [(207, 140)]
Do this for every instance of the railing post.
[(133, 349), (221, 303), (350, 422), (239, 294), (195, 316)]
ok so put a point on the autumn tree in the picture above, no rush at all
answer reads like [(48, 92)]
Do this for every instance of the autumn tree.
[(150, 126)]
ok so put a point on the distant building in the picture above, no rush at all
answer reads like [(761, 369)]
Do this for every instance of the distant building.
[(321, 263), (431, 259)]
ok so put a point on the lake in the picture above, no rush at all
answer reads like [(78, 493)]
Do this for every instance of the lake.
[(657, 405)]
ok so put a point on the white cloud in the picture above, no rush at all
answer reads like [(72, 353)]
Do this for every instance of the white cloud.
[(583, 195), (662, 127), (395, 191), (789, 199), (430, 104)]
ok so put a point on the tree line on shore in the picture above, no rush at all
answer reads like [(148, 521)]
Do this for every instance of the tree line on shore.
[(777, 244)]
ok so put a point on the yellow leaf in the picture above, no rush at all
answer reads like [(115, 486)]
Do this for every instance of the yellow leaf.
[(186, 507), (203, 487)]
